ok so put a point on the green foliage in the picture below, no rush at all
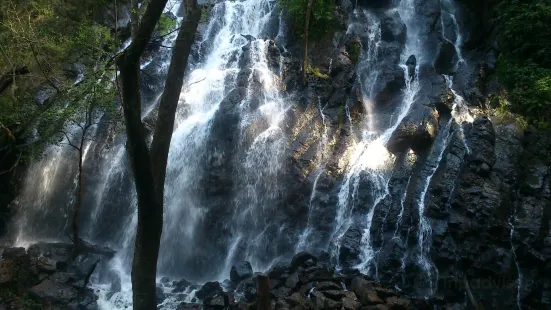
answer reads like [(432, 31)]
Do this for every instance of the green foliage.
[(165, 25), (321, 19), (317, 73), (353, 50), (47, 36), (524, 66)]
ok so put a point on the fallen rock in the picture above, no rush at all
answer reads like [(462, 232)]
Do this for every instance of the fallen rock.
[(292, 280), (334, 294), (301, 258), (327, 286), (396, 303), (209, 289), (240, 272), (54, 292)]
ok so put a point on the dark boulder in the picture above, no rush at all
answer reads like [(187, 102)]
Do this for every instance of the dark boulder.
[(411, 64), (392, 28), (218, 301), (240, 272), (160, 294), (209, 289), (444, 63), (246, 290), (375, 4), (54, 292), (414, 135), (302, 259), (350, 247)]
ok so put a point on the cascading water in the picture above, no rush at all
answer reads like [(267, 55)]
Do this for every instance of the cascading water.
[(519, 273), (304, 239), (232, 82), (371, 163)]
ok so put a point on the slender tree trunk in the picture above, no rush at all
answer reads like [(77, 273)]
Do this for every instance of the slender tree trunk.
[(78, 203), (149, 168), (150, 211), (306, 30), (263, 301), (171, 95)]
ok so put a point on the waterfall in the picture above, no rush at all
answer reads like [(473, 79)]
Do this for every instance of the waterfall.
[(304, 241), (519, 273), (371, 162)]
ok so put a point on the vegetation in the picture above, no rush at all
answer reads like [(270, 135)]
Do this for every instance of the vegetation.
[(322, 16), (38, 41), (317, 73), (524, 66)]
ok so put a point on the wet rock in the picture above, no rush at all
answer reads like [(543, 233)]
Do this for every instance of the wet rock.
[(327, 285), (301, 258), (445, 61), (160, 294), (190, 306), (334, 294), (241, 272), (375, 307), (180, 286), (54, 292), (417, 131), (218, 301), (282, 292), (246, 290), (392, 28), (350, 247), (165, 281), (350, 303), (296, 300), (376, 4), (318, 300), (385, 292), (292, 280), (411, 63), (398, 303), (209, 289)]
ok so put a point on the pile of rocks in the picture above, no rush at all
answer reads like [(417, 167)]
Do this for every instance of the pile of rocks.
[(45, 276), (307, 282)]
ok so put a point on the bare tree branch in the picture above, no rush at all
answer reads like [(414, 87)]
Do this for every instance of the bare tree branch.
[(69, 141), (151, 76), (14, 165)]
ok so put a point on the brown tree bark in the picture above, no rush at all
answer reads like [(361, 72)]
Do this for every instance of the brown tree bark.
[(149, 168), (263, 301), (171, 95), (134, 18), (306, 30)]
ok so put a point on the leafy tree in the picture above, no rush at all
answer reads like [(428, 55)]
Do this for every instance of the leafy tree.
[(321, 16), (87, 105), (524, 66)]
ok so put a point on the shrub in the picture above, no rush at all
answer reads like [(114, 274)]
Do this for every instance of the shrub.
[(524, 66), (321, 20)]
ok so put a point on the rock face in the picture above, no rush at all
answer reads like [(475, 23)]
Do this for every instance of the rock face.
[(241, 272), (44, 276)]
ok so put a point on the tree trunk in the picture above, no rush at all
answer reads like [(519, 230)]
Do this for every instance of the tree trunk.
[(149, 168), (134, 18), (150, 211), (264, 302), (171, 94), (306, 30), (78, 203)]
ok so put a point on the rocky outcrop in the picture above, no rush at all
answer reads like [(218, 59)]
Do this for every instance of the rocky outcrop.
[(44, 276), (309, 282)]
